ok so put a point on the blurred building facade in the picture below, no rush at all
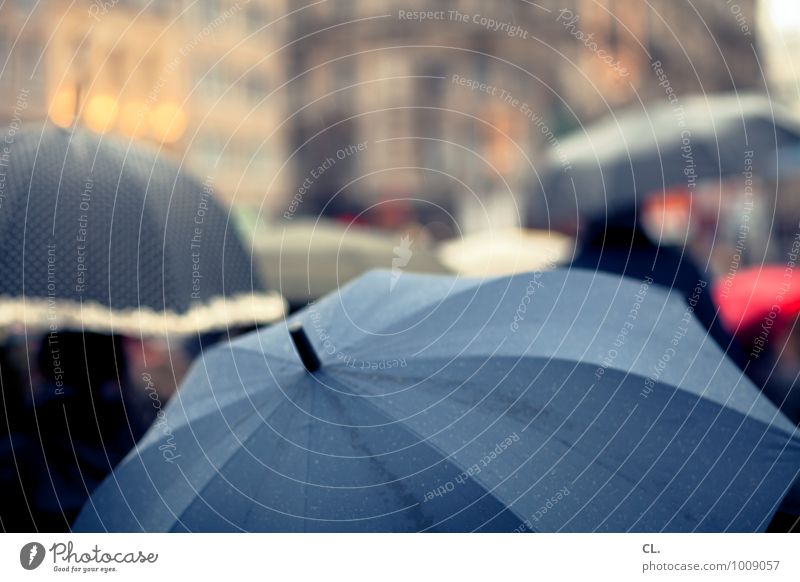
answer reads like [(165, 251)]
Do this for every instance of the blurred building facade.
[(235, 67), (457, 99), (284, 105)]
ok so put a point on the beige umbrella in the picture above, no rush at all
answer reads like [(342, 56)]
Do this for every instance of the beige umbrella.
[(307, 259)]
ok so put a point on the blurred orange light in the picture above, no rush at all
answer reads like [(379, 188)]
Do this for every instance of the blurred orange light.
[(62, 107), (167, 123), (100, 113), (132, 120)]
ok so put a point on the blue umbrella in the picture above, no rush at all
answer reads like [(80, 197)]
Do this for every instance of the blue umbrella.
[(105, 234), (557, 401)]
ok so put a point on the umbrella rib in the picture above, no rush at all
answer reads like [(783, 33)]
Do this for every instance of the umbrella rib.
[(789, 433), (187, 427), (444, 457), (686, 393), (198, 493), (312, 405)]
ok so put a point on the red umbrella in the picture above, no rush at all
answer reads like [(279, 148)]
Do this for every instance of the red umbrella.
[(757, 297)]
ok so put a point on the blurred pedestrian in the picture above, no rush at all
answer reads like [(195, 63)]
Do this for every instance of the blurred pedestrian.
[(618, 244), (71, 437)]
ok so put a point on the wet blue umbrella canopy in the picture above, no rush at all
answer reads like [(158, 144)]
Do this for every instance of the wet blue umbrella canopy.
[(104, 234), (557, 401)]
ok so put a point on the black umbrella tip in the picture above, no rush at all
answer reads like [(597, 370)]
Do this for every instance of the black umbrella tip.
[(304, 348)]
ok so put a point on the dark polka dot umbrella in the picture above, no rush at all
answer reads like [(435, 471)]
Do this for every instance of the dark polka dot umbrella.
[(97, 233)]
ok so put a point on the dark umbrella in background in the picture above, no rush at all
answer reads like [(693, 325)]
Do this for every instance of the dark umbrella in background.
[(557, 401), (103, 243), (603, 168), (100, 234)]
